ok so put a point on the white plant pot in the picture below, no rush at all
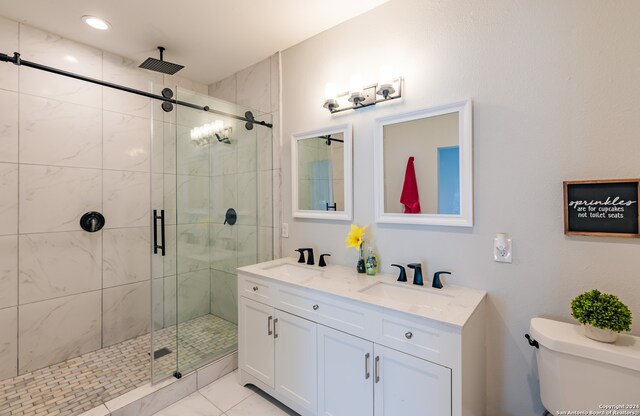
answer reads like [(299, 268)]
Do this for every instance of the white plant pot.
[(599, 334)]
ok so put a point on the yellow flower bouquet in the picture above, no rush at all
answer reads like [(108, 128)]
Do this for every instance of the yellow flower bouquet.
[(355, 239)]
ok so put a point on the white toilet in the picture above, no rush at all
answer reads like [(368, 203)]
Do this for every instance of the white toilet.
[(580, 374)]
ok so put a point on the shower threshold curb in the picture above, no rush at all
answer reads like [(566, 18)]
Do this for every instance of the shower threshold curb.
[(152, 398)]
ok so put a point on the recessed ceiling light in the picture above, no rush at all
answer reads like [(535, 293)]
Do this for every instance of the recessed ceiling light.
[(96, 22)]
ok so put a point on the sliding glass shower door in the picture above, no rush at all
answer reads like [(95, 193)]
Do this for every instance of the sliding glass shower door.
[(210, 187), (163, 241)]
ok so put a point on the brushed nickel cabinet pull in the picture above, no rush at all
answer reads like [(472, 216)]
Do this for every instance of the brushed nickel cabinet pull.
[(270, 332), (377, 369), (366, 367), (275, 329)]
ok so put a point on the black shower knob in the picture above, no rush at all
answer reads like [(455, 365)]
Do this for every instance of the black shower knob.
[(230, 217), (92, 221)]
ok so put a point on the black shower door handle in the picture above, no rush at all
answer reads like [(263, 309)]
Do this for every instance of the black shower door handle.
[(157, 217)]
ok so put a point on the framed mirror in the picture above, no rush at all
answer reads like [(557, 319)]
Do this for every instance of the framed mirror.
[(424, 167), (321, 173)]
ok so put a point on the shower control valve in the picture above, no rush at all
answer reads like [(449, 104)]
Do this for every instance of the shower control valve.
[(92, 221)]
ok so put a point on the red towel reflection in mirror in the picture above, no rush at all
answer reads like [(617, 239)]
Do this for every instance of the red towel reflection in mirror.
[(409, 197)]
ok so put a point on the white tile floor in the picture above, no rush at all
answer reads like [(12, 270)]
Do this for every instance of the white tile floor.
[(226, 397)]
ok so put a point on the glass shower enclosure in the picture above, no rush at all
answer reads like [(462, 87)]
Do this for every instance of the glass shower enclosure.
[(205, 224)]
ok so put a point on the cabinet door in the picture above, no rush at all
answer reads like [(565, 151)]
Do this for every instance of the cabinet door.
[(345, 374), (409, 386), (296, 369), (256, 340)]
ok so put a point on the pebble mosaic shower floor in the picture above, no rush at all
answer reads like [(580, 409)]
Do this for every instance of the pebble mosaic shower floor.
[(80, 384)]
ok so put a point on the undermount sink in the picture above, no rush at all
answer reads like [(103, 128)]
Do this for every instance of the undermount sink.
[(292, 271), (411, 295)]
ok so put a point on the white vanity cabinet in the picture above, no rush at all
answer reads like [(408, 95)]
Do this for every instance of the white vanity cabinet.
[(334, 352), (295, 360), (359, 378), (345, 374), (406, 385), (256, 331), (280, 351)]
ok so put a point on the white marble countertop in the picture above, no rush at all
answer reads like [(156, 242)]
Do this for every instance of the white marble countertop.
[(347, 283)]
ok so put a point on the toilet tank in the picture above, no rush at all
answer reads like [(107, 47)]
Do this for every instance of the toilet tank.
[(582, 375)]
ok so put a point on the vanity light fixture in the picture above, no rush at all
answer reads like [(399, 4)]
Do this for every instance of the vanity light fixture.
[(96, 22), (355, 87), (388, 88), (385, 86), (204, 135), (330, 94)]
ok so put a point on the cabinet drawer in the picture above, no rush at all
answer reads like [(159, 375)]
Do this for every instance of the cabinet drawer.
[(435, 342), (256, 289), (331, 312)]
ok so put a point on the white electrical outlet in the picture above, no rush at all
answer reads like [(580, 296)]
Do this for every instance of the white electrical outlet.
[(285, 230), (502, 248)]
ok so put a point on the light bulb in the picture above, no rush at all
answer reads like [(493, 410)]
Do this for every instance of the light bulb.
[(96, 22), (330, 91), (385, 81), (386, 74), (356, 83)]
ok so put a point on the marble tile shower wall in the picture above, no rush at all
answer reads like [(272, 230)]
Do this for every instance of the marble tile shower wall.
[(67, 147), (257, 87)]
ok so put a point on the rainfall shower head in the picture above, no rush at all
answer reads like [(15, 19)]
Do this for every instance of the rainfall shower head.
[(160, 65)]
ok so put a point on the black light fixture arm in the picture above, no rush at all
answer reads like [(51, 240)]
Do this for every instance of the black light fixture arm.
[(17, 60)]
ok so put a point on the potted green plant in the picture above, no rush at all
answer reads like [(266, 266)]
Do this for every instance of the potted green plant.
[(602, 314)]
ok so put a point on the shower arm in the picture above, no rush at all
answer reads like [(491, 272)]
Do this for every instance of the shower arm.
[(16, 60)]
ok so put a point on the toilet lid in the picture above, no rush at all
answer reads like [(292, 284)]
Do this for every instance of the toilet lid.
[(570, 339)]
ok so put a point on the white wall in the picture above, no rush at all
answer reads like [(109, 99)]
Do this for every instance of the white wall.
[(555, 88)]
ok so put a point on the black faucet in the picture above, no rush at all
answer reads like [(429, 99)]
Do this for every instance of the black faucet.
[(417, 275), (402, 277), (322, 263), (310, 259), (301, 251), (436, 279)]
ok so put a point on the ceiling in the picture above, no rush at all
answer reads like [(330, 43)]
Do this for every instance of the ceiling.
[(211, 38)]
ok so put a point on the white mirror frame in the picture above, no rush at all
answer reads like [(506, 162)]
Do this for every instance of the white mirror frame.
[(347, 213), (465, 140)]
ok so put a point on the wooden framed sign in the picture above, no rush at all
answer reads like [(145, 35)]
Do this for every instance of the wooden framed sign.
[(606, 208)]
